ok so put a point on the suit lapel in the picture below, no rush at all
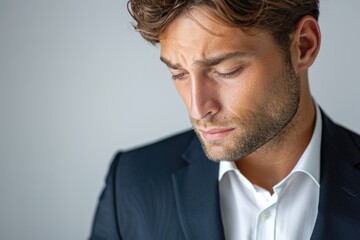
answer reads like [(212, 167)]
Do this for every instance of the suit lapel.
[(338, 216), (197, 195)]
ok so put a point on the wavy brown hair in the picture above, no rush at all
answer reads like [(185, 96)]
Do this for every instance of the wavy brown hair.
[(278, 17)]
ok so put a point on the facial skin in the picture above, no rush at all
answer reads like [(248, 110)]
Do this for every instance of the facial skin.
[(241, 90)]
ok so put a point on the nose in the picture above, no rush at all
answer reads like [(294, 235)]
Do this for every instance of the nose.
[(204, 100)]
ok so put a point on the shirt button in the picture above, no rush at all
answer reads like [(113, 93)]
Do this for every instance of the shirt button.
[(265, 215)]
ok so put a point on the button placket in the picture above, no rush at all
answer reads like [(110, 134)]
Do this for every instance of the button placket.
[(265, 228)]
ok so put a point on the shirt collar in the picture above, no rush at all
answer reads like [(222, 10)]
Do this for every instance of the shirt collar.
[(308, 163)]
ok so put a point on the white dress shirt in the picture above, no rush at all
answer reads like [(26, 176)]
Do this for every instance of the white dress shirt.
[(250, 212)]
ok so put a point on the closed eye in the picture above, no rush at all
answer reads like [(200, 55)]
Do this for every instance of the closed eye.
[(231, 74)]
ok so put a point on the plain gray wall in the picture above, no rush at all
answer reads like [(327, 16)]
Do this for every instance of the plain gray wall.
[(77, 84)]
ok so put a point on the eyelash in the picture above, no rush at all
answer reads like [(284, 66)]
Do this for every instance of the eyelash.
[(232, 74), (179, 76)]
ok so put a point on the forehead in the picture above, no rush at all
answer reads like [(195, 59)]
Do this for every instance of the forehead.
[(197, 35)]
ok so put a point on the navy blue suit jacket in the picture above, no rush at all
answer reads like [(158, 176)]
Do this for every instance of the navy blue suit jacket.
[(169, 191)]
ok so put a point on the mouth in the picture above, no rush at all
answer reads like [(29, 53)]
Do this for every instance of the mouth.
[(216, 134)]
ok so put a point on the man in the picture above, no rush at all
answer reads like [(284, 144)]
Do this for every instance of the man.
[(263, 162)]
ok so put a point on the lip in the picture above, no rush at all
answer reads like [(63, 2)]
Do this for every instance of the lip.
[(216, 134)]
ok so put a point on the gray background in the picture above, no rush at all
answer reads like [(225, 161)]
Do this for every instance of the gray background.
[(77, 84)]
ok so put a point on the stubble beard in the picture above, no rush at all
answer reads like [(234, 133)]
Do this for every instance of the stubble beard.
[(267, 122)]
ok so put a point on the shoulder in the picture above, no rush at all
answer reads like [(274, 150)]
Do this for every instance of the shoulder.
[(169, 146), (355, 137), (336, 130), (161, 157), (342, 140), (138, 186)]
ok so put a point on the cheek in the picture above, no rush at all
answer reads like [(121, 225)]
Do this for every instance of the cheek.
[(241, 94), (261, 81), (236, 100)]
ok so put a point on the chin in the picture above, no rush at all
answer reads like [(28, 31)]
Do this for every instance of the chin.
[(219, 153)]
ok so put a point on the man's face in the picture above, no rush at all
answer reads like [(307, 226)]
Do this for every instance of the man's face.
[(239, 88)]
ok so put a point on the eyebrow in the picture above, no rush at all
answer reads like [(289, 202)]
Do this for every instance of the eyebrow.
[(209, 62)]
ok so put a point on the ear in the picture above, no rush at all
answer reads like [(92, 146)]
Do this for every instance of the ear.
[(305, 43)]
